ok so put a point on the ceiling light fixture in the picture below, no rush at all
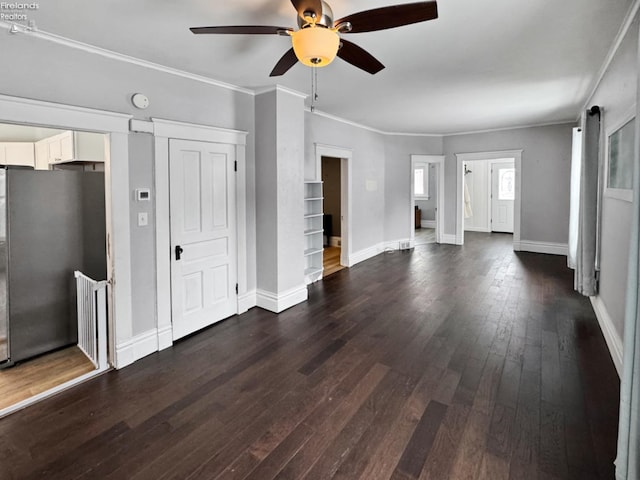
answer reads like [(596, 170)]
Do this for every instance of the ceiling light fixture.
[(315, 46)]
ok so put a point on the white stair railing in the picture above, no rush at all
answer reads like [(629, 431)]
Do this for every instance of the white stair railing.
[(92, 318)]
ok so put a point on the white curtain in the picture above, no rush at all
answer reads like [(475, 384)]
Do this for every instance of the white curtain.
[(576, 169), (628, 461), (585, 260)]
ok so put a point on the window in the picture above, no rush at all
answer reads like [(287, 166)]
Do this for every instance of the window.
[(506, 184), (620, 161), (421, 180)]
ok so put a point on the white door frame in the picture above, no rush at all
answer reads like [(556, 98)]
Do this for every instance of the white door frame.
[(163, 131), (470, 157), (439, 159), (346, 159), (117, 199), (492, 163)]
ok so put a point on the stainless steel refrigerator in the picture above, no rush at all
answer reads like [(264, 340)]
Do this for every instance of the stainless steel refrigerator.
[(51, 223)]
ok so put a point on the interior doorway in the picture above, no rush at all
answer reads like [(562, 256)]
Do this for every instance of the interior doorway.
[(52, 186), (489, 195), (488, 192), (338, 185), (427, 199), (332, 220)]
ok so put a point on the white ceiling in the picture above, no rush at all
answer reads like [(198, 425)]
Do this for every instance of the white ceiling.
[(480, 65)]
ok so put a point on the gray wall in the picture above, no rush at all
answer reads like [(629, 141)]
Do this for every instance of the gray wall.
[(368, 174), (546, 171), (399, 215), (616, 94), (56, 73), (280, 188), (266, 191)]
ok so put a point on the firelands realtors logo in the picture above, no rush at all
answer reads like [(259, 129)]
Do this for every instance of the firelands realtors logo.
[(16, 12)]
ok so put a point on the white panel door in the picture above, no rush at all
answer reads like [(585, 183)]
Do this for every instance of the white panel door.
[(503, 194), (203, 234)]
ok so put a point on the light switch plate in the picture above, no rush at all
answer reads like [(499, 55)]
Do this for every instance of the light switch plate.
[(143, 219)]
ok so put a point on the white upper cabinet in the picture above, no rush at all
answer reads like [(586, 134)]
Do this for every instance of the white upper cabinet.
[(17, 153), (71, 146)]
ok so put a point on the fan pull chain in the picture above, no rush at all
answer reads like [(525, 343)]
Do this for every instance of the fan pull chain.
[(314, 88)]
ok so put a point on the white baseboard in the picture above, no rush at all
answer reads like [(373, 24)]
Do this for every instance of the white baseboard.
[(278, 302), (449, 239), (366, 254), (335, 241), (247, 301), (477, 229), (611, 336), (542, 247), (165, 337), (136, 348), (401, 244), (428, 223)]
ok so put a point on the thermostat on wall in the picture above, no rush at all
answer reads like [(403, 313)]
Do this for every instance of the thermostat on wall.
[(143, 194)]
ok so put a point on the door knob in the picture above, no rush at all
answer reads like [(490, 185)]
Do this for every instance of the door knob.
[(179, 251)]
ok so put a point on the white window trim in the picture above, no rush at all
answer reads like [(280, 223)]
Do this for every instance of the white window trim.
[(625, 195)]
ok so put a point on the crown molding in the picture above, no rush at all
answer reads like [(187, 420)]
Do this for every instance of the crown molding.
[(366, 127), (103, 52), (624, 29), (280, 88), (517, 127)]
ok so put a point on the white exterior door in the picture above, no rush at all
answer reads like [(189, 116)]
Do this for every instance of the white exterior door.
[(203, 234), (503, 194)]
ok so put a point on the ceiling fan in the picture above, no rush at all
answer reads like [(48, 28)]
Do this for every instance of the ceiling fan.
[(317, 41)]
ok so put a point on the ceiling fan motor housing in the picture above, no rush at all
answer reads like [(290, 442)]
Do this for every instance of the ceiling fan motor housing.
[(324, 20)]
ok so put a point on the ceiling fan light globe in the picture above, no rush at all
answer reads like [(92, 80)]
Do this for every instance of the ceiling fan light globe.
[(315, 46)]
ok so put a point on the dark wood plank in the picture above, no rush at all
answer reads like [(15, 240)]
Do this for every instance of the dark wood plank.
[(417, 450), (440, 362)]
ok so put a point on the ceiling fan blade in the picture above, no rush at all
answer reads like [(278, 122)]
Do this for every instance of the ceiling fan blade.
[(287, 61), (390, 17), (302, 6), (359, 57), (242, 30)]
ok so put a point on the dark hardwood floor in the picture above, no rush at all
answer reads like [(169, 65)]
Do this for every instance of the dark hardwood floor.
[(439, 363)]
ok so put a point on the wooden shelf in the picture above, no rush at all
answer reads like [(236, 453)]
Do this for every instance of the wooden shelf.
[(312, 251), (312, 232), (314, 215), (313, 198)]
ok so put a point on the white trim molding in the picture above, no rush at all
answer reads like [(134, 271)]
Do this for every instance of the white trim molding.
[(440, 198), (136, 348), (611, 336), (103, 52), (277, 303), (281, 88), (516, 155), (622, 32), (428, 223), (247, 301), (549, 248), (117, 198), (163, 131), (346, 165), (165, 337), (449, 239), (51, 392), (366, 254)]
